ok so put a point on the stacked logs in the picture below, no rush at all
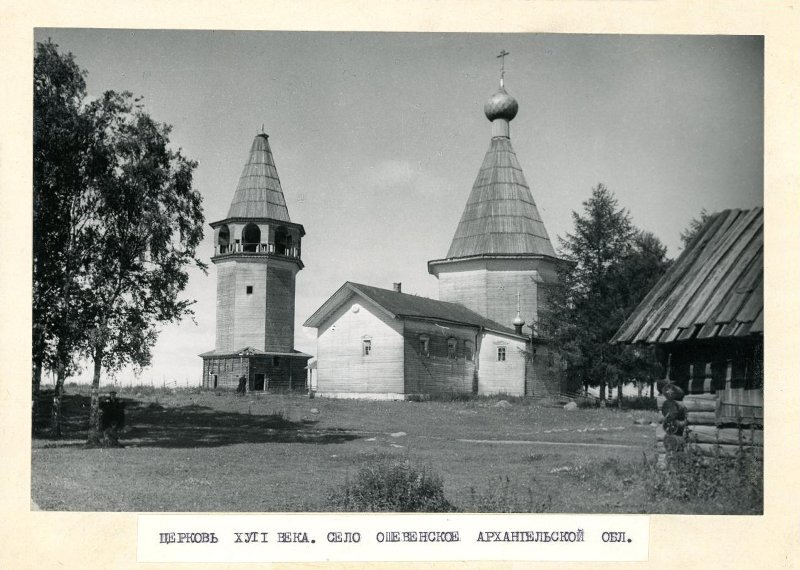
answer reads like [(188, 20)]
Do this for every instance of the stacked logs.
[(670, 434), (692, 419)]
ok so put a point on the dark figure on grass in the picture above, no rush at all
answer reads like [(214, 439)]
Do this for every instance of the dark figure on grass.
[(112, 419), (242, 388)]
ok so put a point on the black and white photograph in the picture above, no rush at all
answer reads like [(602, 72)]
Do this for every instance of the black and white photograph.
[(380, 282), (288, 262), (311, 272)]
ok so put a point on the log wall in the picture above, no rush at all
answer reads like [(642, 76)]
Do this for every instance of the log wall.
[(437, 372)]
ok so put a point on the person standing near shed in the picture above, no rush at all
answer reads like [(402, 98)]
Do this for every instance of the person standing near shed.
[(242, 388)]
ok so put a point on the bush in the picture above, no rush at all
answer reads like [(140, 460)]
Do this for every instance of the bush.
[(500, 496), (688, 476), (639, 403), (391, 485)]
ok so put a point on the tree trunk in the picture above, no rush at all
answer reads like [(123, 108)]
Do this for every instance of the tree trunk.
[(619, 395), (639, 387), (94, 406), (652, 388), (55, 415), (35, 390), (602, 393)]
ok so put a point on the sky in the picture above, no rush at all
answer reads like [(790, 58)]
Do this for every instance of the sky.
[(378, 138)]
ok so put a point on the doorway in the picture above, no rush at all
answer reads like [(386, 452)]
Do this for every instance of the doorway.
[(258, 382)]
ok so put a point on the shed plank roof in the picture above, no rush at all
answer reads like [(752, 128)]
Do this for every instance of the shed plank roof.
[(714, 289)]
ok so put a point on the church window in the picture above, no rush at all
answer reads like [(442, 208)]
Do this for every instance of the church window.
[(424, 345), (468, 350), (249, 289), (451, 347), (501, 353), (366, 347)]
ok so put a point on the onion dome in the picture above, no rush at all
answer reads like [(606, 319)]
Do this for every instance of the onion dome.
[(518, 320), (501, 105)]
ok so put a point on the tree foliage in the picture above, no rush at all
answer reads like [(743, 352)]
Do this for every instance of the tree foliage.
[(116, 224), (695, 225), (609, 266)]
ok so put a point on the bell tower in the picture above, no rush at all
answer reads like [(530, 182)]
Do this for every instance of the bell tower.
[(257, 252)]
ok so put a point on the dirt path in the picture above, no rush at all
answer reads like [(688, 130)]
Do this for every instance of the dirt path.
[(532, 442)]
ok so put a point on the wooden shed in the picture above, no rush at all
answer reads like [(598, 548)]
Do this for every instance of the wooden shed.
[(706, 315)]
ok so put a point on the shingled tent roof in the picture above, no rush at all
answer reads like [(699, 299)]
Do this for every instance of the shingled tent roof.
[(714, 290), (259, 193), (402, 305), (500, 216)]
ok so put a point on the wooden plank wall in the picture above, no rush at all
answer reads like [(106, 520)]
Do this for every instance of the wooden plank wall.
[(467, 288), (263, 319), (226, 298), (436, 372), (289, 373), (542, 374), (501, 377), (493, 294), (248, 310), (341, 365), (227, 369), (279, 318)]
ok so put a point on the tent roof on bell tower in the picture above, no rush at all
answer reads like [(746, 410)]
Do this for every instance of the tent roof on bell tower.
[(259, 193)]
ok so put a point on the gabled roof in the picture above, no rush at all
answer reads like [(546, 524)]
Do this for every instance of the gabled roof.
[(259, 193), (714, 290), (402, 305), (500, 216)]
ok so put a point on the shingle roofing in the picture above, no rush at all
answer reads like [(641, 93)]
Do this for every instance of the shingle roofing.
[(259, 193), (250, 351), (714, 290), (403, 305), (500, 216)]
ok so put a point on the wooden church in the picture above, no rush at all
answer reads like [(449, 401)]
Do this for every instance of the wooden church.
[(481, 335), (257, 255)]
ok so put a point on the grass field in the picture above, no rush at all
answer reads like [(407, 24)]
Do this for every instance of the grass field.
[(203, 451)]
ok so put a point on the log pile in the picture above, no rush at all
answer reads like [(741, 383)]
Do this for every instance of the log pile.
[(692, 420)]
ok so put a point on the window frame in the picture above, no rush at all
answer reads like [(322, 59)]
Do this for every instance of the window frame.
[(469, 350), (501, 354), (425, 345), (452, 348), (366, 347)]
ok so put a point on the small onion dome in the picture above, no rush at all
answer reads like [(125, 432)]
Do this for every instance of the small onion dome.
[(518, 321), (501, 105)]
